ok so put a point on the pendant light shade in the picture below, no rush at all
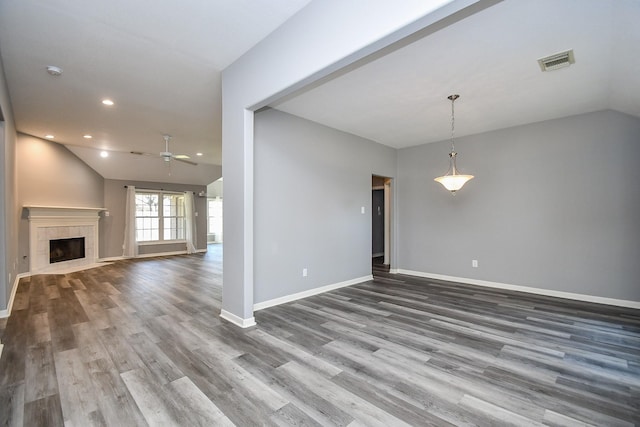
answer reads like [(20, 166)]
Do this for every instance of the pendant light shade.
[(452, 180)]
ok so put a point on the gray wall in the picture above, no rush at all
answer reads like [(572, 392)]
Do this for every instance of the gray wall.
[(554, 205), (310, 184), (306, 48), (9, 209), (112, 226), (51, 175)]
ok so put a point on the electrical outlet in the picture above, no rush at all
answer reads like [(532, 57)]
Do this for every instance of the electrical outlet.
[(474, 263), (362, 209), (304, 272)]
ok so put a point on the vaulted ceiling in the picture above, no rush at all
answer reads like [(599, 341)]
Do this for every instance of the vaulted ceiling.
[(160, 62), (490, 59)]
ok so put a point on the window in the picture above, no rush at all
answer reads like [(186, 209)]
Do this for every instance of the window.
[(214, 218), (159, 217), (173, 217)]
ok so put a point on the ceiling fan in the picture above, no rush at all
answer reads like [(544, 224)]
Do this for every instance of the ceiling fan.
[(166, 155)]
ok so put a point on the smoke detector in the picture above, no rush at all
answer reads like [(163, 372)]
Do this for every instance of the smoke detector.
[(557, 61), (54, 71)]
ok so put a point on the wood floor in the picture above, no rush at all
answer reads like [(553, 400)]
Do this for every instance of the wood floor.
[(141, 343)]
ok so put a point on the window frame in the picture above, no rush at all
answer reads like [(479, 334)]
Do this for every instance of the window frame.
[(161, 240), (210, 216)]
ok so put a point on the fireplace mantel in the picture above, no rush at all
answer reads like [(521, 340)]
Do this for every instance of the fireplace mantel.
[(59, 222), (61, 211)]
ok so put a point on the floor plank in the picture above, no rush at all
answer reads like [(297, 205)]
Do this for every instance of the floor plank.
[(140, 342)]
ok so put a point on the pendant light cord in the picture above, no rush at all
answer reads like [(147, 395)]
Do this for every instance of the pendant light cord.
[(453, 148)]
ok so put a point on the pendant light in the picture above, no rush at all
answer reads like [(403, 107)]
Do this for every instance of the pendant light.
[(452, 180)]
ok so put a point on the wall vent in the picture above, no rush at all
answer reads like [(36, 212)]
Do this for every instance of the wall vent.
[(559, 60)]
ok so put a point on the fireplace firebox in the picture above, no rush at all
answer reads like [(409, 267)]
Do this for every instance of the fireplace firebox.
[(66, 249)]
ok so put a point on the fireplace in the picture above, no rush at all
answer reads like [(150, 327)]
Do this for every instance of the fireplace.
[(66, 249), (62, 239)]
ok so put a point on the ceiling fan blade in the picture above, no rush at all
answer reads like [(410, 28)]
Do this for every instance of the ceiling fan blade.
[(165, 155), (109, 150), (185, 161)]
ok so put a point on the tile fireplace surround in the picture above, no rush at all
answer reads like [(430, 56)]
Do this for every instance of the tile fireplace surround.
[(54, 222)]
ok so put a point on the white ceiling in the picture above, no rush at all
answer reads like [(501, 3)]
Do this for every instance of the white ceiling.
[(161, 62), (490, 59)]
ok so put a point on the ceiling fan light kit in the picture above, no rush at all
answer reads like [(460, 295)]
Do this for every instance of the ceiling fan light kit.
[(167, 155), (452, 180)]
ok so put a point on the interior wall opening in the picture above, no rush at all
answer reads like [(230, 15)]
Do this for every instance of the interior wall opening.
[(380, 223)]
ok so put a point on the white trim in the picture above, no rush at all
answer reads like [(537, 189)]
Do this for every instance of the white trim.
[(6, 313), (55, 222), (310, 292), (160, 242), (155, 254), (62, 208), (387, 221), (112, 258), (248, 217), (393, 271), (527, 289), (236, 320)]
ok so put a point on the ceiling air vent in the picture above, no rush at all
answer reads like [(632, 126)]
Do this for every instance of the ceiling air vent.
[(559, 60)]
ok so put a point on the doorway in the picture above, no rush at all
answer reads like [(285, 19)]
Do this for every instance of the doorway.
[(380, 223)]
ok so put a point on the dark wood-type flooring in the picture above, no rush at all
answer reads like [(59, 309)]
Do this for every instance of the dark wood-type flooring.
[(141, 343)]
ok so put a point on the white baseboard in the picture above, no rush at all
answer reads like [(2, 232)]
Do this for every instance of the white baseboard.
[(393, 271), (111, 258), (527, 289), (161, 254), (7, 312), (237, 320), (310, 292), (119, 258)]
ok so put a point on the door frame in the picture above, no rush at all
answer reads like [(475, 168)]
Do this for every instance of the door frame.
[(389, 219)]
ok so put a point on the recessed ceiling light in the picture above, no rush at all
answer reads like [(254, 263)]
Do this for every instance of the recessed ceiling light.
[(53, 70), (107, 102), (198, 154), (87, 136), (49, 136), (104, 154)]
